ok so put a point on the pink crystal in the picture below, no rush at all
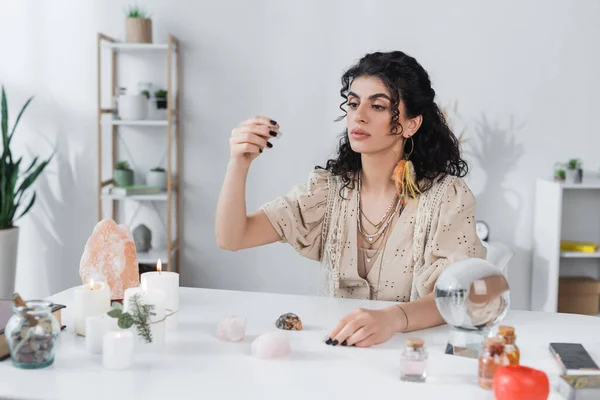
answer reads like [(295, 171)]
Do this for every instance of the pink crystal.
[(110, 256), (271, 345), (232, 329)]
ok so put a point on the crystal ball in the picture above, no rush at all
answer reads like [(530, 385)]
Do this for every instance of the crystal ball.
[(472, 295)]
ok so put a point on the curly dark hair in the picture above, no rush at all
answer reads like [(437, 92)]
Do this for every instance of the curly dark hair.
[(436, 149)]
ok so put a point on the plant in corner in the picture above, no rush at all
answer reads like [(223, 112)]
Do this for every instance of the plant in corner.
[(139, 25), (15, 198), (157, 177), (574, 172), (123, 175), (139, 314), (161, 99)]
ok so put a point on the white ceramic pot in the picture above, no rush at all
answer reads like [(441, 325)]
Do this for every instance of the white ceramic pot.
[(571, 175), (132, 106), (9, 242), (157, 178)]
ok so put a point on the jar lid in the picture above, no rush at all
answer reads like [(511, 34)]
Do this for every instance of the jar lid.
[(415, 343), (505, 330)]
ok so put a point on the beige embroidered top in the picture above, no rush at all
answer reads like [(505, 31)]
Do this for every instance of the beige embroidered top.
[(434, 230)]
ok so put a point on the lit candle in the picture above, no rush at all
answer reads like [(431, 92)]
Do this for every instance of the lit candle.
[(117, 349), (157, 322), (168, 282), (90, 300)]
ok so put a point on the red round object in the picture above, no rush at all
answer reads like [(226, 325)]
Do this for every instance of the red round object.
[(517, 382)]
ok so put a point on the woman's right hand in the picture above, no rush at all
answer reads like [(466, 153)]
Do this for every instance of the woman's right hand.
[(250, 138)]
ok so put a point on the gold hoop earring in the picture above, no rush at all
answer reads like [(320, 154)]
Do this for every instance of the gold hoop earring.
[(404, 176), (412, 148)]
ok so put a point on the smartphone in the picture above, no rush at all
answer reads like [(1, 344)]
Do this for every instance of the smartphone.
[(574, 359)]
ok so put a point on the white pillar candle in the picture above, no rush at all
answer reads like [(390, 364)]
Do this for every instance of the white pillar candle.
[(90, 300), (95, 328), (157, 321), (168, 282), (117, 349), (165, 281)]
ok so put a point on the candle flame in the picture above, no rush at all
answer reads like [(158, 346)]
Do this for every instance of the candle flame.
[(92, 286), (159, 265)]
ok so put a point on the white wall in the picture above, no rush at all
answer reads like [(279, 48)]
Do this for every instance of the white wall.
[(524, 74)]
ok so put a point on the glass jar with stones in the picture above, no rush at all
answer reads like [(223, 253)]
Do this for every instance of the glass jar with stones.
[(31, 334)]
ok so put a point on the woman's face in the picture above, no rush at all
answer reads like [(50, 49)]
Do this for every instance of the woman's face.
[(369, 117)]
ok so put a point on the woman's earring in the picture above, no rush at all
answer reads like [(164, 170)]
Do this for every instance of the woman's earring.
[(405, 177)]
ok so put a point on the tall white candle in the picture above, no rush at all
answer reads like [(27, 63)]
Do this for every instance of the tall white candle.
[(157, 321), (90, 300), (117, 349), (168, 282)]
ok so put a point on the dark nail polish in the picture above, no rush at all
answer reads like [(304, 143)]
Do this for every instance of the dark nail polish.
[(273, 133), (328, 341), (273, 122), (269, 145), (260, 150), (354, 345), (345, 343), (335, 342)]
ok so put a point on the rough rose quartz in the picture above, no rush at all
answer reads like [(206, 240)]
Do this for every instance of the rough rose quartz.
[(110, 255), (271, 345), (232, 329)]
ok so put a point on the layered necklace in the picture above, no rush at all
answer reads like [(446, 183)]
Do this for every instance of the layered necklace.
[(376, 241)]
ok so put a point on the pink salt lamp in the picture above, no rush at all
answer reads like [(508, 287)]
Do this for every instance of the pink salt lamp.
[(110, 255)]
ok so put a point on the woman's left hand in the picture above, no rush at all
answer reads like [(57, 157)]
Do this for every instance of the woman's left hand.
[(365, 328)]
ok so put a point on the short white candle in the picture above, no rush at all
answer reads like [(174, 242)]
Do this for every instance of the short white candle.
[(90, 300), (117, 349), (157, 321), (95, 328), (165, 281)]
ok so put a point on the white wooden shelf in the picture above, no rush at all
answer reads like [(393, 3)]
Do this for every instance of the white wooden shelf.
[(138, 197), (589, 183), (562, 211), (579, 254), (124, 46), (152, 256), (142, 122)]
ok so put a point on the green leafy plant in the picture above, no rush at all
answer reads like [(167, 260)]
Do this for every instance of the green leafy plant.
[(137, 12), (158, 169), (145, 93), (14, 184), (160, 94), (139, 315), (123, 165), (574, 163)]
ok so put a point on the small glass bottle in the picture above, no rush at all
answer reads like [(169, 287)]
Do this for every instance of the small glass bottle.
[(492, 358), (507, 333), (414, 361)]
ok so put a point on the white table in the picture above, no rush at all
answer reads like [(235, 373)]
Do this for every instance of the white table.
[(197, 365)]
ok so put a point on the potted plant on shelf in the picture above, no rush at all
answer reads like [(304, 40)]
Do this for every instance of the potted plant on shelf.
[(139, 25), (157, 177), (574, 172), (15, 201), (123, 175), (161, 99)]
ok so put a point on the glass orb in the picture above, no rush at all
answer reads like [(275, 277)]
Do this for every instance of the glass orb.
[(472, 296)]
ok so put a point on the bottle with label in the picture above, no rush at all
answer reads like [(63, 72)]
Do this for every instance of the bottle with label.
[(507, 333), (492, 358), (414, 361)]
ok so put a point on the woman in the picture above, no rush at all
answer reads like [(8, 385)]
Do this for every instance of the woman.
[(384, 217)]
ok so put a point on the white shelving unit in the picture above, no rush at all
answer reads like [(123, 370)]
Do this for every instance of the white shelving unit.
[(170, 126), (563, 212)]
